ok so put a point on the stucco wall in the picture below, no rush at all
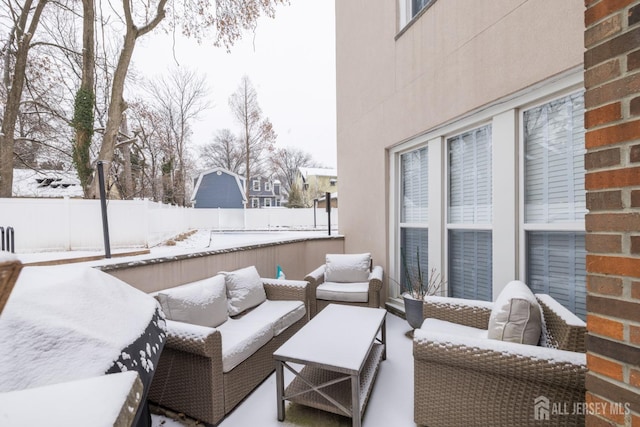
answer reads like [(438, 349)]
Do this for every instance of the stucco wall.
[(457, 57)]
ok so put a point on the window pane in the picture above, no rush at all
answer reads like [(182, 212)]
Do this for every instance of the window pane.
[(554, 161), (412, 241), (470, 269), (470, 191), (556, 266), (415, 184)]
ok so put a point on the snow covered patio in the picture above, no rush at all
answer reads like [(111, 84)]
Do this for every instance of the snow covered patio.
[(390, 404)]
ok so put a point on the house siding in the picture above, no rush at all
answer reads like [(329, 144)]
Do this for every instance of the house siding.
[(218, 191)]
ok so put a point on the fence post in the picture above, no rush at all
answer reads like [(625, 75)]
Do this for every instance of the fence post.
[(103, 207), (2, 237)]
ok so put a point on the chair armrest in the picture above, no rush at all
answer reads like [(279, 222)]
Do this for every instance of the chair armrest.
[(457, 310), (316, 277), (375, 278), (500, 358), (279, 289), (195, 339)]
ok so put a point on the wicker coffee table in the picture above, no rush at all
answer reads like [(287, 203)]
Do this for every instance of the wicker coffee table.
[(341, 349)]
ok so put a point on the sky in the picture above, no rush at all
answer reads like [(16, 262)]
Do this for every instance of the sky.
[(291, 63)]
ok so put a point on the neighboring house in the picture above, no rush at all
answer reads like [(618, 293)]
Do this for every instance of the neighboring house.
[(219, 188), (46, 183), (264, 193), (467, 141), (322, 201), (316, 182)]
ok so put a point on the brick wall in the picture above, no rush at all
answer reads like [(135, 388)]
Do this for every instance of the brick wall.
[(612, 120)]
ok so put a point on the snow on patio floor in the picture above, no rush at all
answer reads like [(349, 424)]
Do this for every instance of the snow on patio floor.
[(390, 404)]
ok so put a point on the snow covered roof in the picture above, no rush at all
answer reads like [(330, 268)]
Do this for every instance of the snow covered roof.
[(46, 183), (305, 172)]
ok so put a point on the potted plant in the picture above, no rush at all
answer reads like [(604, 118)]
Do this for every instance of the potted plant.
[(416, 286)]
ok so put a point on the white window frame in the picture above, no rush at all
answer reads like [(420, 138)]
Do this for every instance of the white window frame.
[(267, 186), (255, 202), (524, 227), (508, 243), (267, 202), (255, 185)]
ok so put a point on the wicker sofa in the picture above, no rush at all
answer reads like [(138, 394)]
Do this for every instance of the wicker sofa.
[(465, 378), (349, 279), (202, 376)]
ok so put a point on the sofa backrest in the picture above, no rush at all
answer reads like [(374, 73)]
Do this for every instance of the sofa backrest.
[(562, 329)]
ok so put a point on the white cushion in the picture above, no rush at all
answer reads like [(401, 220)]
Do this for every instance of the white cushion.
[(437, 325), (279, 314), (516, 315), (244, 289), (345, 268), (346, 292), (201, 303), (240, 339)]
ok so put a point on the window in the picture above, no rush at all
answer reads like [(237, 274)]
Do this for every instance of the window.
[(256, 185), (414, 207), (470, 215), (554, 200), (255, 203), (409, 9), (267, 186), (332, 182), (267, 202)]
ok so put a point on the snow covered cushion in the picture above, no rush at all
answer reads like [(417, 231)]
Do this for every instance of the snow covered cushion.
[(244, 289), (516, 315), (201, 303), (240, 339), (437, 325), (280, 314), (343, 268), (345, 292)]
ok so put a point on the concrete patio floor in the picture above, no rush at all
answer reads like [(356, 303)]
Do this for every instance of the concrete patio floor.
[(390, 404)]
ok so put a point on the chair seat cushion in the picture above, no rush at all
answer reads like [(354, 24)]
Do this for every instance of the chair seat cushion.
[(516, 315), (279, 314), (201, 303), (437, 325), (240, 339), (244, 289), (346, 292)]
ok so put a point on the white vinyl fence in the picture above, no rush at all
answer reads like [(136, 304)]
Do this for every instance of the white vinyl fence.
[(76, 224)]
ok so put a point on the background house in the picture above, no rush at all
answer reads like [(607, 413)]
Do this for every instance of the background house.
[(219, 188), (315, 182), (478, 131), (264, 193)]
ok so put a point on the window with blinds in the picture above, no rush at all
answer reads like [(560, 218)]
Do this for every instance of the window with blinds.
[(554, 200), (470, 214), (414, 211)]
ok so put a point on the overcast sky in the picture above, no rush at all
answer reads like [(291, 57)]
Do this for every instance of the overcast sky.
[(291, 63)]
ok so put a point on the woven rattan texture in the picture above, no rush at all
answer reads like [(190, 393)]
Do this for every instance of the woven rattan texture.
[(468, 315), (562, 335)]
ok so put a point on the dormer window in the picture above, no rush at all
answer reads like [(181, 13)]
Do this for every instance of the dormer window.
[(256, 185), (267, 186)]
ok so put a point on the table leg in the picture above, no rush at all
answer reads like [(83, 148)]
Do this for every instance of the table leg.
[(280, 389), (355, 401)]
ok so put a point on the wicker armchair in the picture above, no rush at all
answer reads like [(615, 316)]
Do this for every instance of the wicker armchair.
[(318, 300), (473, 380)]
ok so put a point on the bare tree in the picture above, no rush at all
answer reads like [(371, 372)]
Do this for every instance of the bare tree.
[(285, 163), (25, 20), (226, 151), (256, 133), (179, 98)]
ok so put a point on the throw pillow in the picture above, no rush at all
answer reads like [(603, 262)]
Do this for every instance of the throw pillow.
[(244, 289), (344, 268), (516, 315), (201, 303)]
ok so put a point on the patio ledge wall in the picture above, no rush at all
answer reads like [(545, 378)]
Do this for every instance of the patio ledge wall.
[(297, 257)]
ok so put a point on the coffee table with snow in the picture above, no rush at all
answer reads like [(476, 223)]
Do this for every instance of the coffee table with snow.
[(341, 349)]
